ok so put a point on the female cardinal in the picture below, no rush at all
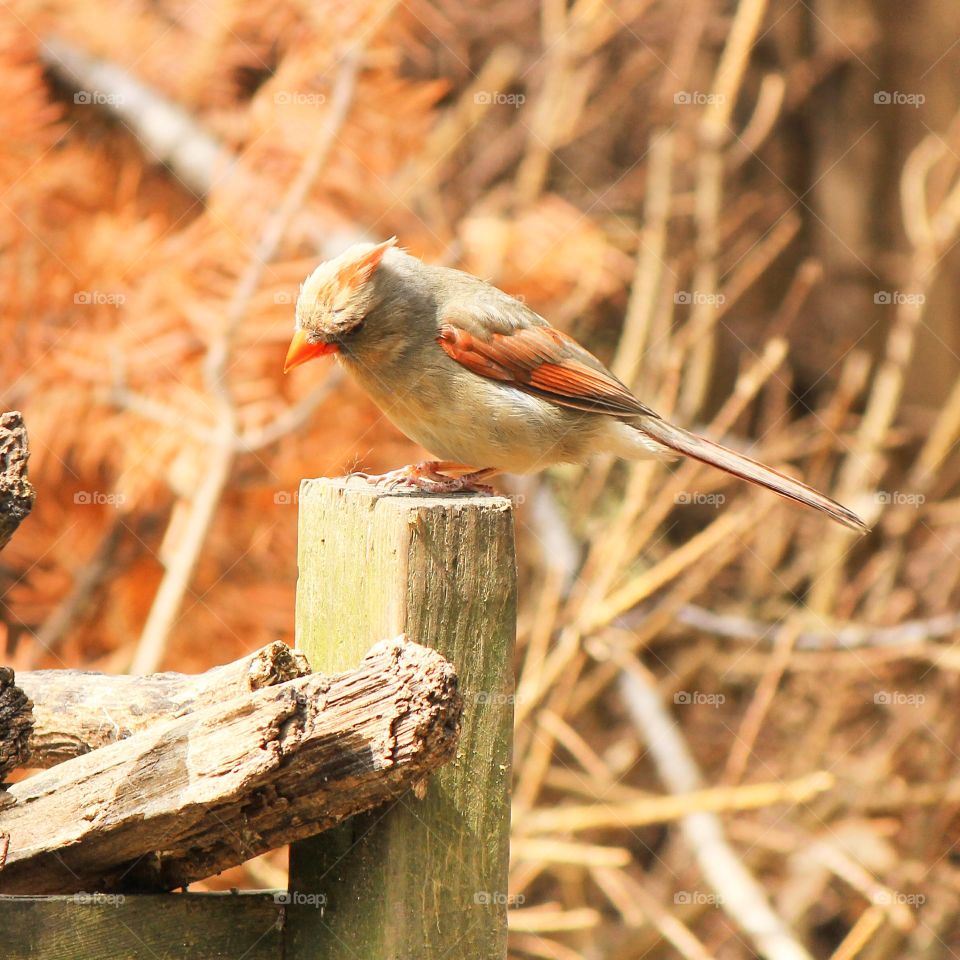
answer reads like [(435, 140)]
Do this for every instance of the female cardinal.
[(481, 380)]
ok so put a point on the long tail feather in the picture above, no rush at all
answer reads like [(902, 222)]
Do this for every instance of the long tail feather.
[(719, 456)]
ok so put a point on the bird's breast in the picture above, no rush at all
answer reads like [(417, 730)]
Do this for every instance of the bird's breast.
[(458, 415)]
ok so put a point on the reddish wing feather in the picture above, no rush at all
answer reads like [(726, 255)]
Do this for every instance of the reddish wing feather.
[(545, 362)]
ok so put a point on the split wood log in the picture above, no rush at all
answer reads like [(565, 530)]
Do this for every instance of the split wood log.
[(16, 723), (191, 796), (16, 494), (75, 712)]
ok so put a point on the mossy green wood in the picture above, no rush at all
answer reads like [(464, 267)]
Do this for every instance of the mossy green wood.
[(422, 878), (193, 926)]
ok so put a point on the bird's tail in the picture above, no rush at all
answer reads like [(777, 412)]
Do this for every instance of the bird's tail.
[(719, 456)]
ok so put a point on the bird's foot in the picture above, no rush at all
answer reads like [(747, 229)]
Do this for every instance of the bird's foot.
[(428, 476)]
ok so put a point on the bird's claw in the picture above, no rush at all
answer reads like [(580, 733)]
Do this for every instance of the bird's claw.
[(424, 476)]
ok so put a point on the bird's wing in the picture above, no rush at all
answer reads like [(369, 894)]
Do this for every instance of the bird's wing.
[(501, 339)]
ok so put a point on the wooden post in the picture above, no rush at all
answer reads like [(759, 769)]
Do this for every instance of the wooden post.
[(422, 877)]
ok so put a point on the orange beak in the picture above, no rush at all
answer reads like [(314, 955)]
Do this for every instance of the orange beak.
[(301, 350)]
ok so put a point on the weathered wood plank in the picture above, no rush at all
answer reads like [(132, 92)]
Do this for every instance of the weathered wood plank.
[(192, 796), (192, 926), (75, 711), (422, 878)]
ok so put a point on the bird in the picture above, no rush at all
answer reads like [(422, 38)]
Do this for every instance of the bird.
[(485, 383)]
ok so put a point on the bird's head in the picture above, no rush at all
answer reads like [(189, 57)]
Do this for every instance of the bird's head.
[(334, 301)]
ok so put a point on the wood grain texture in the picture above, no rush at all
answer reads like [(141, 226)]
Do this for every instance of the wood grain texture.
[(16, 493), (192, 796), (16, 723), (75, 711), (193, 926), (422, 878)]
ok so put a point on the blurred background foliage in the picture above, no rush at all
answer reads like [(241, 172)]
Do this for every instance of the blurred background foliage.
[(750, 210)]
